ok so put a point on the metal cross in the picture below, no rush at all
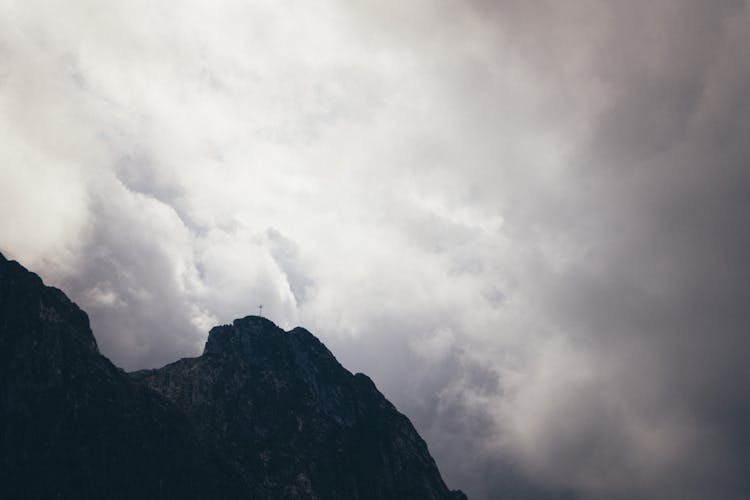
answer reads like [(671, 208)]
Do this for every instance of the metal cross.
[(260, 308)]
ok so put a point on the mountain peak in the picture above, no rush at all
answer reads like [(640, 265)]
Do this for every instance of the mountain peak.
[(242, 336), (259, 337), (254, 322)]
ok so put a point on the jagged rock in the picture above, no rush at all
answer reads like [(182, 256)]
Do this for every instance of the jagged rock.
[(262, 414)]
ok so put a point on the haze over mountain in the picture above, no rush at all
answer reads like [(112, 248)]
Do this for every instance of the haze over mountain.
[(525, 221), (262, 414)]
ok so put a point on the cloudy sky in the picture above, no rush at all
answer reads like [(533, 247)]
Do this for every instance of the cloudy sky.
[(527, 221)]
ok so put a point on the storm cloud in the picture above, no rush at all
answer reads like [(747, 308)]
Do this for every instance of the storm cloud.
[(525, 220)]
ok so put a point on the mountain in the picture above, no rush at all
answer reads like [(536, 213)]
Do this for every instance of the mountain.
[(298, 424), (261, 414)]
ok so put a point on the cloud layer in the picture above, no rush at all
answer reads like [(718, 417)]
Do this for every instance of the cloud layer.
[(525, 221)]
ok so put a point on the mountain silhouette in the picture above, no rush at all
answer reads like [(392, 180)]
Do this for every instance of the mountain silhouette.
[(261, 414)]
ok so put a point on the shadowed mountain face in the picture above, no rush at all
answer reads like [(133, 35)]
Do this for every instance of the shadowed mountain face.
[(262, 414)]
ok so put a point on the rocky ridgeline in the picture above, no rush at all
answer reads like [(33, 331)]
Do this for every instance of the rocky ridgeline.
[(261, 414)]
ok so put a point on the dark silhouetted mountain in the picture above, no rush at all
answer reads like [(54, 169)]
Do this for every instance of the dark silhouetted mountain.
[(261, 414)]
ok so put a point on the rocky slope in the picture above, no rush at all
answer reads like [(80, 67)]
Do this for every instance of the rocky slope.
[(262, 414)]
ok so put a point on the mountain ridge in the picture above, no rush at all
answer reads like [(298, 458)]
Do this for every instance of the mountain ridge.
[(261, 413)]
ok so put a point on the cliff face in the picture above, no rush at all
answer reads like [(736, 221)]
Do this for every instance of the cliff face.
[(262, 414)]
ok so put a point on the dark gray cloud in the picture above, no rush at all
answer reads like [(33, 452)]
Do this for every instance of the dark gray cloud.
[(655, 204), (525, 221)]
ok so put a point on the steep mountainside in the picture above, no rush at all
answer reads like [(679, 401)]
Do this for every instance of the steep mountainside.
[(262, 414), (297, 422)]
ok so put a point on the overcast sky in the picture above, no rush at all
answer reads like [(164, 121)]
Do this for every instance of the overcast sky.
[(527, 221)]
